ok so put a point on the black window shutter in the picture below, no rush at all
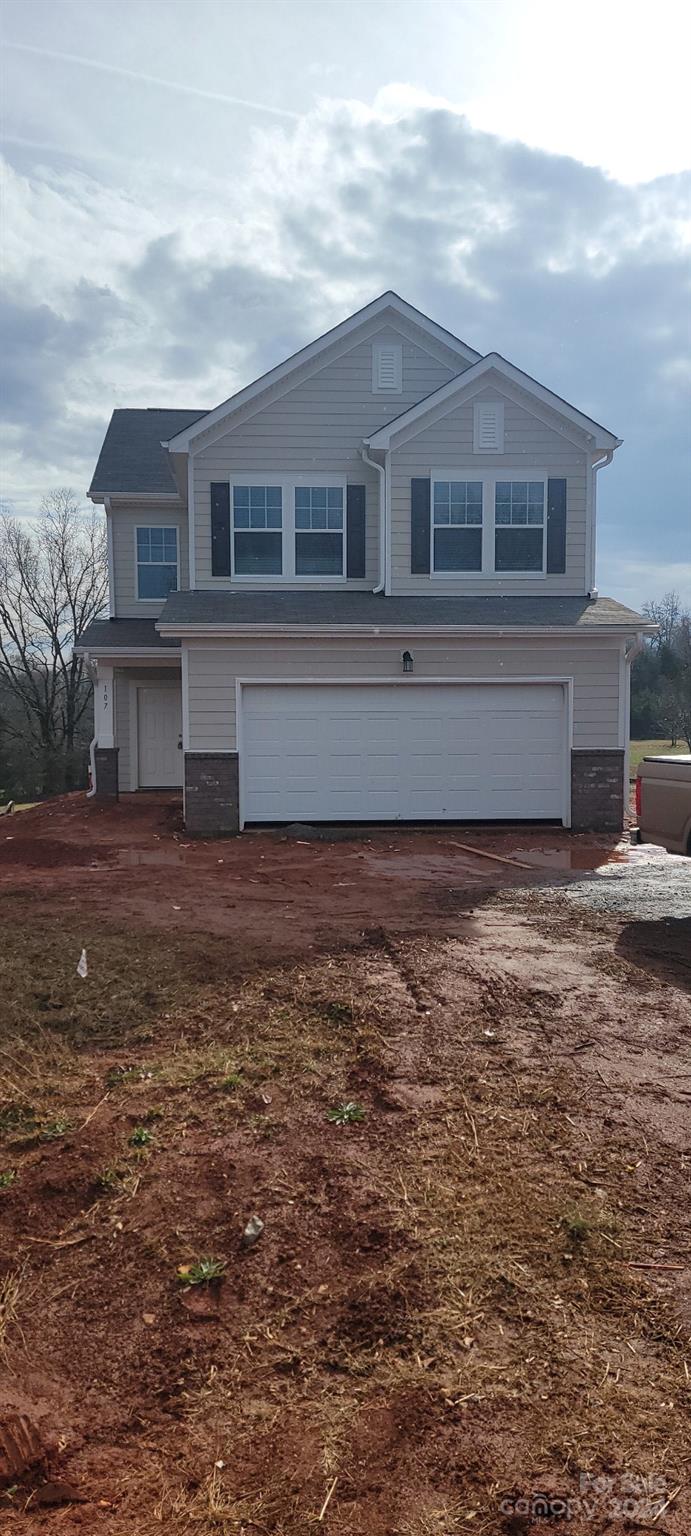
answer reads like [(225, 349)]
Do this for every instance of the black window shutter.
[(556, 527), (355, 532), (419, 527), (220, 530)]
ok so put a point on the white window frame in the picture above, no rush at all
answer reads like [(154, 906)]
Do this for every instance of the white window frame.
[(255, 480), (288, 484), (326, 485), (466, 478), (140, 527), (489, 480), (478, 408), (526, 477), (378, 348)]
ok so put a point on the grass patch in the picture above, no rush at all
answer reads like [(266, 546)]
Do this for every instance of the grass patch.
[(134, 978), (141, 1137), (231, 1082), (640, 749), (201, 1271), (348, 1113), (52, 1130)]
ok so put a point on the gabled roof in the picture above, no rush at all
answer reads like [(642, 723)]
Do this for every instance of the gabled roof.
[(412, 420), (184, 437), (132, 460)]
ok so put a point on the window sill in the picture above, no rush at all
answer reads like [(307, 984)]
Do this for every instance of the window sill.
[(488, 575)]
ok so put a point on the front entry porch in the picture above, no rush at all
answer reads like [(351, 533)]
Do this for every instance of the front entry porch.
[(138, 728)]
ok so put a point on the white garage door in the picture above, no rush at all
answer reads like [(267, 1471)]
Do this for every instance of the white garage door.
[(407, 752)]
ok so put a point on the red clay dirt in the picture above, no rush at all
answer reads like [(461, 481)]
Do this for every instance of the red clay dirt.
[(444, 1316), (274, 892)]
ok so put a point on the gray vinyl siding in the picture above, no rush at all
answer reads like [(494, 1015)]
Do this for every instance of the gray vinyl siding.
[(125, 520), (445, 448), (594, 665), (127, 765), (319, 424)]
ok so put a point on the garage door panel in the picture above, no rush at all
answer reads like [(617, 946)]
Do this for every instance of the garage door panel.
[(431, 751)]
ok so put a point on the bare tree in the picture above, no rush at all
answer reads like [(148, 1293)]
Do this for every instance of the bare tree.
[(667, 614), (53, 582)]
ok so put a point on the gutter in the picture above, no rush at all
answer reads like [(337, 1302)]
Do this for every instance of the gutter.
[(384, 631), (99, 497), (383, 529), (114, 653)]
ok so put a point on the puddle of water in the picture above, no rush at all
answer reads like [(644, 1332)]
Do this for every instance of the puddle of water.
[(577, 857), (572, 858)]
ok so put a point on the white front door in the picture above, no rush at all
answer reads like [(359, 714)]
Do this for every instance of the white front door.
[(339, 752), (159, 734)]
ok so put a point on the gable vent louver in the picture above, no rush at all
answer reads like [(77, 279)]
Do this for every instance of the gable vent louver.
[(488, 432), (387, 368)]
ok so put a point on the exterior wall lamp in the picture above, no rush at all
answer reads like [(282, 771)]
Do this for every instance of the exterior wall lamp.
[(407, 661)]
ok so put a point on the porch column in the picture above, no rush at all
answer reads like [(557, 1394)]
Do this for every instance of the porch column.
[(105, 751)]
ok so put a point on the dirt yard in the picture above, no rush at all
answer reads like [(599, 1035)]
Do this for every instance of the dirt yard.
[(459, 1101)]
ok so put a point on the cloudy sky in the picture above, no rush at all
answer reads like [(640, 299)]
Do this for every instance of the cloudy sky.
[(192, 191)]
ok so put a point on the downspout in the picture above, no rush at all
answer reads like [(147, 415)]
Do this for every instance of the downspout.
[(383, 530), (91, 669), (600, 464), (631, 651)]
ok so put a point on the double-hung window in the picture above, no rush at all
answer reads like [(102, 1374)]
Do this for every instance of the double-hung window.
[(257, 530), (519, 525), (457, 525), (319, 530), (157, 563)]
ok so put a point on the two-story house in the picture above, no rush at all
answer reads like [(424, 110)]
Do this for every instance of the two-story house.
[(363, 588)]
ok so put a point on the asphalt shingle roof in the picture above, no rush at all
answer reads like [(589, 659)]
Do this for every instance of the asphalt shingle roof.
[(124, 634), (369, 608), (132, 459)]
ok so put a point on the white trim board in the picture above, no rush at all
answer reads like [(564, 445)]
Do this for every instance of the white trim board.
[(166, 658), (112, 612), (408, 681), (406, 425), (213, 632), (135, 496)]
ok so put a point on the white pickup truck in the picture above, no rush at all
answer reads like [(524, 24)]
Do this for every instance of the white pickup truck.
[(663, 802)]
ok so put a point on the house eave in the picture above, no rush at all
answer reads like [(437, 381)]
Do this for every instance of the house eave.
[(391, 631), (408, 424), (100, 498), (141, 653)]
